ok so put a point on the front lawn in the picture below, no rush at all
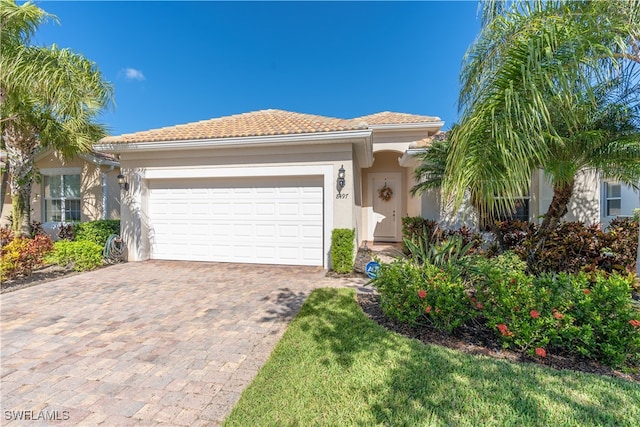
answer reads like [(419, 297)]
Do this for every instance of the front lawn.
[(334, 366)]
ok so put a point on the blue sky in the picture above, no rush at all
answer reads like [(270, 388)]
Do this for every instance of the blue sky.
[(179, 62)]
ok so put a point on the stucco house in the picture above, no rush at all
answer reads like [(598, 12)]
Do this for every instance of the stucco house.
[(270, 186), (84, 188)]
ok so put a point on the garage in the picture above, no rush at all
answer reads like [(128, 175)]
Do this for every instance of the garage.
[(262, 220)]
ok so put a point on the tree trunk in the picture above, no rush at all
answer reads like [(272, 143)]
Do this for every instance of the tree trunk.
[(559, 206), (21, 145), (557, 209)]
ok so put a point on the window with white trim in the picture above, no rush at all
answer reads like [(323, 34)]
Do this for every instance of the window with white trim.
[(61, 198), (612, 198), (520, 212)]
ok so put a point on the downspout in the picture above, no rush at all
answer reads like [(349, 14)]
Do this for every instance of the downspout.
[(104, 191)]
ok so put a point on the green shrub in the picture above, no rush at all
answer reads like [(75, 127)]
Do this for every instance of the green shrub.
[(585, 314), (423, 294), (82, 255), (97, 231), (451, 251), (342, 249), (21, 256), (418, 229)]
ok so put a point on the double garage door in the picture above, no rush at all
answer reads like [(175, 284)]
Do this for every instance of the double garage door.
[(250, 220)]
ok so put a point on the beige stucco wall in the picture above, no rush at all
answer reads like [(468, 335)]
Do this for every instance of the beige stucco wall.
[(141, 167), (90, 187), (585, 204)]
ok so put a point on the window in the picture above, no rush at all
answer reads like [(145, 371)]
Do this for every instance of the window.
[(521, 211), (61, 198), (612, 198)]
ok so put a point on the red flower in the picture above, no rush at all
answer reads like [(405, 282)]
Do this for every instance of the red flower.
[(587, 291), (512, 281), (635, 323), (480, 306), (557, 314), (504, 330), (422, 293), (541, 352), (534, 314), (427, 309)]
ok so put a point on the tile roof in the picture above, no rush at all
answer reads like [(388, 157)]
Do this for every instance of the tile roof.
[(426, 142), (264, 123), (391, 118), (257, 123)]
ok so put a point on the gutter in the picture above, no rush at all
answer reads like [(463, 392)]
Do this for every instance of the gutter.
[(409, 157)]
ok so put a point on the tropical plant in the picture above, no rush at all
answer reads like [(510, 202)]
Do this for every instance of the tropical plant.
[(549, 85), (49, 98)]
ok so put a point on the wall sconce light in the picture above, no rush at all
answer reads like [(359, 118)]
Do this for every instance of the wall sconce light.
[(341, 180), (124, 185)]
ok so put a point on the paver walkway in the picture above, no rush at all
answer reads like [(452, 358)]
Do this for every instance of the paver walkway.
[(151, 343)]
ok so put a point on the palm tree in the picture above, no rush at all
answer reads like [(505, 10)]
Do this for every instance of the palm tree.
[(550, 85), (49, 97)]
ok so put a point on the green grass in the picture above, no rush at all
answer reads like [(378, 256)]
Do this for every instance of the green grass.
[(334, 367)]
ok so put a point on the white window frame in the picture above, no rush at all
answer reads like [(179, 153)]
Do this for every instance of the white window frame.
[(56, 172), (607, 198)]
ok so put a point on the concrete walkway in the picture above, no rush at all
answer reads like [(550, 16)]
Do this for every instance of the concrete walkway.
[(151, 343)]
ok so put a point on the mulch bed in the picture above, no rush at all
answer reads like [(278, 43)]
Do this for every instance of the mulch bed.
[(476, 339), (37, 277)]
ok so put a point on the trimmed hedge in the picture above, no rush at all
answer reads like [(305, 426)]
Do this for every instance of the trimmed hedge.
[(342, 248), (97, 231), (82, 255)]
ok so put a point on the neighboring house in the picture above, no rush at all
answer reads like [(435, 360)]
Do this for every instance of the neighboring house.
[(84, 188), (265, 186)]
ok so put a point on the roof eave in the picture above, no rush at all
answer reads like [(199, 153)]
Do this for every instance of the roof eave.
[(437, 124), (192, 144)]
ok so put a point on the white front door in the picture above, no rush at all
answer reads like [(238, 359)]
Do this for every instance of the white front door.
[(386, 213)]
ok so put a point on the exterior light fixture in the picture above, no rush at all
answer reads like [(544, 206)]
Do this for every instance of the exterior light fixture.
[(341, 180), (124, 185)]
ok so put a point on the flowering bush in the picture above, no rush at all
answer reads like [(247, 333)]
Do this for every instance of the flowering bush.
[(588, 314), (423, 294), (585, 314), (21, 256)]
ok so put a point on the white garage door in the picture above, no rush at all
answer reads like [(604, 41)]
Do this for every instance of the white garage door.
[(251, 220)]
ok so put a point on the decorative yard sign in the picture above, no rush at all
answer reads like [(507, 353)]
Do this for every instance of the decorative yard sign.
[(372, 269)]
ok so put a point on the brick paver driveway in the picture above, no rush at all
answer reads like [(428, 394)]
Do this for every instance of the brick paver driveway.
[(151, 343)]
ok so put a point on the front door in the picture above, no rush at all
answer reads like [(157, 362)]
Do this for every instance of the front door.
[(386, 196)]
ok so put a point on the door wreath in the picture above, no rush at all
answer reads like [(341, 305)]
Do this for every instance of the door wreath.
[(385, 193)]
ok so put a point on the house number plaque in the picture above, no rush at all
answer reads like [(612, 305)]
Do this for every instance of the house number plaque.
[(342, 196)]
